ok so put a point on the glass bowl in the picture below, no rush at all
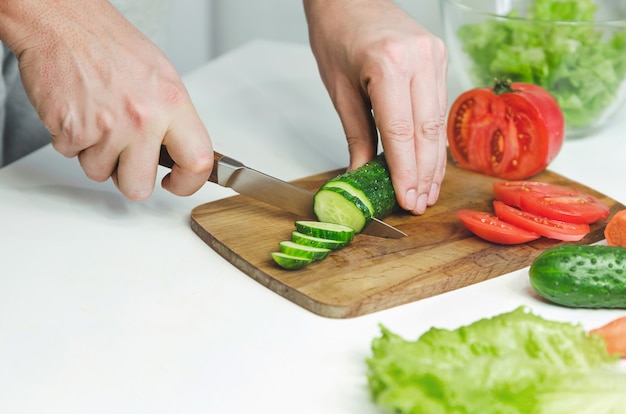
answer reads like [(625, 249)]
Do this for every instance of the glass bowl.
[(575, 49)]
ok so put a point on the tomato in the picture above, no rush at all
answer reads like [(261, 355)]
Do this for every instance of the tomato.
[(552, 229), (510, 192), (487, 226), (511, 131), (577, 208)]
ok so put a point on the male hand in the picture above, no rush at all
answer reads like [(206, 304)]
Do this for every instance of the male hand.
[(385, 74), (107, 94)]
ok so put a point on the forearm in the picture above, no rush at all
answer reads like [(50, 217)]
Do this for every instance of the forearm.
[(25, 24)]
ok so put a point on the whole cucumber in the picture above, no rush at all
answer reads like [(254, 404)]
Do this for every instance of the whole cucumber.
[(581, 276)]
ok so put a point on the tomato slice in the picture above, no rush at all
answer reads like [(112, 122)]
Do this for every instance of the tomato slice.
[(510, 192), (577, 208), (489, 227), (552, 229), (511, 131)]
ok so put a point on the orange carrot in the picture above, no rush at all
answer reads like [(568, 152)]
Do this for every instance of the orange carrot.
[(614, 334), (615, 230)]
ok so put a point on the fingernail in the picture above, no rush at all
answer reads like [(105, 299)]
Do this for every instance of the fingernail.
[(422, 202), (433, 195), (410, 199)]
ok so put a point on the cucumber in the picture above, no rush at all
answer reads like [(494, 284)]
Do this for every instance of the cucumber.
[(308, 240), (581, 276), (335, 205), (356, 196), (290, 262), (295, 249), (354, 192), (325, 230)]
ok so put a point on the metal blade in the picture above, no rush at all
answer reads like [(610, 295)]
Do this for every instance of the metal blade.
[(231, 173), (287, 196)]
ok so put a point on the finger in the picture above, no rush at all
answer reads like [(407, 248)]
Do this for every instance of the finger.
[(100, 160), (189, 145), (440, 169), (429, 141), (136, 170), (391, 102), (358, 125), (429, 103)]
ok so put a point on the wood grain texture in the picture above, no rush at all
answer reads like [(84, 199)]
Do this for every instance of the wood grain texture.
[(372, 274)]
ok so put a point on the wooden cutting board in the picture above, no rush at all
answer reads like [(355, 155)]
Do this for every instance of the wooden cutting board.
[(372, 273)]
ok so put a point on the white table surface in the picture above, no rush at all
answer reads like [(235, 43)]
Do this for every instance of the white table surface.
[(110, 306)]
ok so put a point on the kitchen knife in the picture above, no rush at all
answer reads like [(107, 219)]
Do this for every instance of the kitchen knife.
[(231, 173)]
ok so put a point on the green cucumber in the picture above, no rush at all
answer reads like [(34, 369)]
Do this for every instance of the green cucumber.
[(325, 230), (368, 189), (360, 195), (334, 205), (290, 262), (581, 276), (295, 249), (308, 240)]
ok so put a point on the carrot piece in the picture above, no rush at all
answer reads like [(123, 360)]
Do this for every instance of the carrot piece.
[(615, 230), (614, 334)]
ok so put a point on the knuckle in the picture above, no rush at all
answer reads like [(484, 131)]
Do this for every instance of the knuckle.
[(431, 130), (399, 131)]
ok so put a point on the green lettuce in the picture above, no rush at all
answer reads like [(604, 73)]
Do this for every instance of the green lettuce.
[(579, 64), (516, 362)]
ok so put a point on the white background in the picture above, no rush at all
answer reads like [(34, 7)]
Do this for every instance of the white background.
[(198, 30)]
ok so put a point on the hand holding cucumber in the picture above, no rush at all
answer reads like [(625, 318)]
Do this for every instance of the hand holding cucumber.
[(388, 78)]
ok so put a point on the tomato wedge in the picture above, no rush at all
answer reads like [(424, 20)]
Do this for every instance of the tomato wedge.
[(489, 227), (552, 229), (511, 131), (578, 208), (510, 192)]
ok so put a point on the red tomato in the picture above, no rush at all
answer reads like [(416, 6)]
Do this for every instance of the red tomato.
[(510, 192), (552, 229), (578, 208), (511, 131), (487, 226)]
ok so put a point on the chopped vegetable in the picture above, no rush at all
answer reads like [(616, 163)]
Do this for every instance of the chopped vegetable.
[(308, 240), (615, 230), (614, 335), (489, 227), (516, 362), (290, 262), (552, 229), (579, 208), (580, 65), (511, 192), (526, 208), (295, 249), (354, 197), (581, 276), (510, 131), (329, 231)]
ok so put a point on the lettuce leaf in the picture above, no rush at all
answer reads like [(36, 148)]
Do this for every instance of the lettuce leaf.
[(516, 362), (580, 65)]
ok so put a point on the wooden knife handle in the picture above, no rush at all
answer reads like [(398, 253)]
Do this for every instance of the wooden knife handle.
[(166, 161)]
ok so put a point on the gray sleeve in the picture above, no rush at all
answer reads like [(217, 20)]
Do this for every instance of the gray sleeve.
[(21, 130)]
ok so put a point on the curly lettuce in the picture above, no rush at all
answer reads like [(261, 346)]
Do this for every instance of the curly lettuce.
[(582, 66), (516, 362)]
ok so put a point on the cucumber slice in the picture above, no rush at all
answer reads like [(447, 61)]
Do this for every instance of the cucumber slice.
[(308, 240), (311, 252), (290, 262), (334, 205), (326, 230), (355, 192)]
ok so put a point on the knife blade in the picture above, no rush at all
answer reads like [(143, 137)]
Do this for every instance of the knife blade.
[(233, 174)]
